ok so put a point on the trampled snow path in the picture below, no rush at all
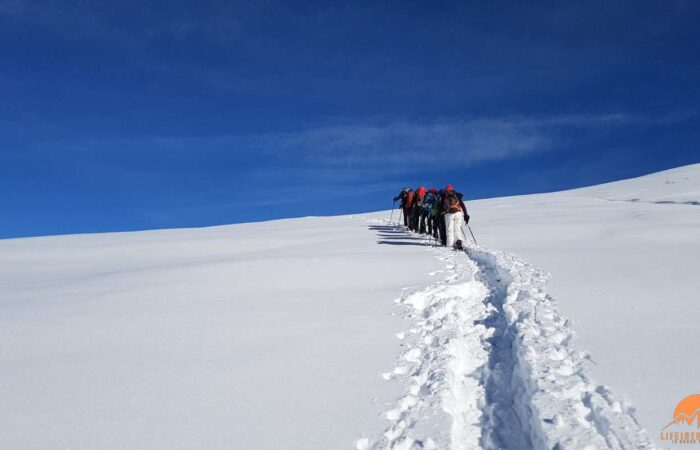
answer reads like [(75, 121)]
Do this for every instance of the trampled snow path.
[(489, 363)]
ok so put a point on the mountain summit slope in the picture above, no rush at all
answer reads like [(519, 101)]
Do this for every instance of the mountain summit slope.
[(674, 186), (284, 334)]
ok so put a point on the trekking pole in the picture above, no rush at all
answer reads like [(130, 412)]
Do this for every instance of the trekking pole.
[(393, 206), (435, 230), (464, 233), (470, 231)]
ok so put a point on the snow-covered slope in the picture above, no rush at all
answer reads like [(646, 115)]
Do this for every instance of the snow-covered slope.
[(675, 186), (268, 335), (284, 334), (623, 259)]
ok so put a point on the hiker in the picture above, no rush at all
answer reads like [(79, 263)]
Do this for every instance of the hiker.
[(403, 196), (406, 208), (409, 210), (417, 208), (440, 219), (426, 216), (455, 215)]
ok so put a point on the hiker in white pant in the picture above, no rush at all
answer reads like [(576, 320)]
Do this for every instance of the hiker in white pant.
[(455, 215), (453, 228)]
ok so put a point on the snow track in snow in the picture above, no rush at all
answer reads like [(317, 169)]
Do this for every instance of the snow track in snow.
[(489, 363)]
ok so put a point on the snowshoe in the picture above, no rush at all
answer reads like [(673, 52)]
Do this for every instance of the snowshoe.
[(459, 245)]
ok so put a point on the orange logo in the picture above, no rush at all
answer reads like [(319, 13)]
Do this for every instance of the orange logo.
[(687, 412)]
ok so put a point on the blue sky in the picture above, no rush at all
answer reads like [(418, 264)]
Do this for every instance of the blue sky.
[(131, 115)]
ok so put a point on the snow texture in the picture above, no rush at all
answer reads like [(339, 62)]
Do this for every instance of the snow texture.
[(491, 364), (623, 261)]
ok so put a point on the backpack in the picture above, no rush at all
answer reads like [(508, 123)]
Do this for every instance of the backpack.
[(451, 202), (420, 198), (429, 202), (409, 198)]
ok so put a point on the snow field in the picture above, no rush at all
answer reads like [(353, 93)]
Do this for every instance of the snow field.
[(255, 336), (489, 363), (281, 334)]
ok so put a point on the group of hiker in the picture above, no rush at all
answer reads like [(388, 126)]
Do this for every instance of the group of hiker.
[(441, 214)]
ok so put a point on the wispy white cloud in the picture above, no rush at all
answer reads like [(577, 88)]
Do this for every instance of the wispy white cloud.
[(428, 144), (408, 143), (389, 147)]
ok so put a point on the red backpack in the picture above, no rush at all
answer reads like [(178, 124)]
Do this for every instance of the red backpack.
[(451, 202), (420, 195)]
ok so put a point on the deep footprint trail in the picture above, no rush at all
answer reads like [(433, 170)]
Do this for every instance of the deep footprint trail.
[(489, 363)]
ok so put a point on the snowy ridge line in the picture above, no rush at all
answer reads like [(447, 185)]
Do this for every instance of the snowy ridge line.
[(556, 403), (655, 202)]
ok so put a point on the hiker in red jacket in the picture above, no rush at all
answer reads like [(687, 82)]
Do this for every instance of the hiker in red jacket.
[(455, 214)]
